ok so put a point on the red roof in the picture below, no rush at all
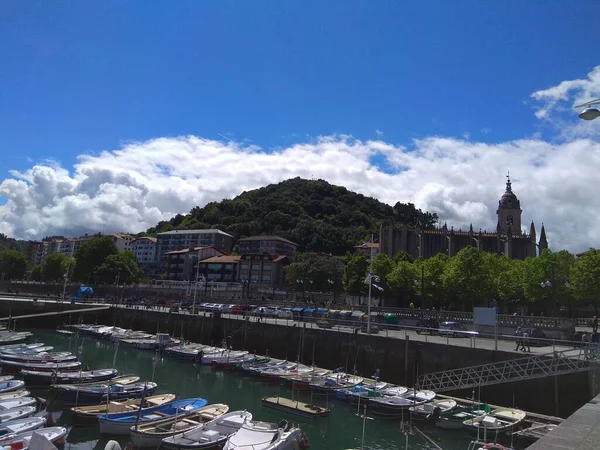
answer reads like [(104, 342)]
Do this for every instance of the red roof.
[(222, 259)]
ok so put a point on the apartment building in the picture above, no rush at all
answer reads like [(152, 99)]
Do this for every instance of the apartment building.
[(144, 249), (170, 241), (221, 268), (181, 264), (268, 244), (265, 268)]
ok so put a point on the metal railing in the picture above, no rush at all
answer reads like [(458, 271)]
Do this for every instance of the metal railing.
[(526, 368)]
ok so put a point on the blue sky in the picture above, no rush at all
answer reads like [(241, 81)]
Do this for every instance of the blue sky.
[(437, 96), (86, 76)]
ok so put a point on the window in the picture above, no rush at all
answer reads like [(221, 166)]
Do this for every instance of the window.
[(267, 267), (255, 266), (245, 266), (266, 278)]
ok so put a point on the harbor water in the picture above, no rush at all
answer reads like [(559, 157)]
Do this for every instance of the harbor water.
[(341, 430)]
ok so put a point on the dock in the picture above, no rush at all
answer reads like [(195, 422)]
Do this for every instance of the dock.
[(294, 407), (581, 431)]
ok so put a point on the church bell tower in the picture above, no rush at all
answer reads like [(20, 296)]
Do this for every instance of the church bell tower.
[(509, 211)]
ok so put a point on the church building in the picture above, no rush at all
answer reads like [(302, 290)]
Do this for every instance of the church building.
[(508, 239)]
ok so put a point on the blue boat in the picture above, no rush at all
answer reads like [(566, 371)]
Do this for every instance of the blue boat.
[(93, 395), (120, 422)]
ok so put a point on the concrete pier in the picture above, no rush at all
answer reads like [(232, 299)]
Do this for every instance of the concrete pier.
[(581, 431)]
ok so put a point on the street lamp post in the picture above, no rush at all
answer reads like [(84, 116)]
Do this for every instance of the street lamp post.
[(369, 280), (331, 283), (588, 112), (551, 284)]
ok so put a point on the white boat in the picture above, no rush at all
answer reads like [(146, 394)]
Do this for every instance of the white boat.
[(432, 410), (150, 435), (395, 405), (18, 402), (17, 413), (6, 378), (53, 434), (267, 436), (11, 386), (22, 425), (14, 394), (497, 421), (221, 355), (210, 434)]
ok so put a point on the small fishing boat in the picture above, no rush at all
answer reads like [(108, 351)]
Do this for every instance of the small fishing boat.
[(18, 366), (64, 332), (267, 436), (336, 381), (492, 424), (85, 415), (185, 352), (453, 420), (363, 393), (92, 395), (432, 410), (151, 434), (18, 402), (6, 378), (18, 413), (481, 445), (53, 434), (37, 378), (55, 357), (14, 394), (295, 407), (208, 435), (394, 406), (13, 347), (22, 425), (121, 379), (119, 423), (11, 386)]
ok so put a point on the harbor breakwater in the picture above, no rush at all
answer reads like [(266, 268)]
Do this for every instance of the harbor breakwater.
[(399, 361)]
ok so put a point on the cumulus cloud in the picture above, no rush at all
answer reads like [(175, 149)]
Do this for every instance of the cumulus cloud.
[(555, 105), (133, 187)]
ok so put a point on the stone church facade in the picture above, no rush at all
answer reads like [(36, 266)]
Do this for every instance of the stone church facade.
[(508, 239)]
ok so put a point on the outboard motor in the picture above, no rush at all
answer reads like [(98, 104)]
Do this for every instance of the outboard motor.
[(284, 425)]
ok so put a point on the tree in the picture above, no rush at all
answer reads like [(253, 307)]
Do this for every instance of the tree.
[(91, 256), (55, 266), (13, 265), (467, 278), (355, 274), (382, 267), (585, 278), (121, 267), (433, 274), (36, 273), (315, 270), (401, 280)]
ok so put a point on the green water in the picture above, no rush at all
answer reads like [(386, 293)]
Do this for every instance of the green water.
[(341, 430)]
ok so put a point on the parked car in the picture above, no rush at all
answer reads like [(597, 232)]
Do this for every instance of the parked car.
[(285, 313), (453, 329), (430, 326)]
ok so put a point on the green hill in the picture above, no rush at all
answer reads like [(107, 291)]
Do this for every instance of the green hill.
[(7, 243), (313, 213)]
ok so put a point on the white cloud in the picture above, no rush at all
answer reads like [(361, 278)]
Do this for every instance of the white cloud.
[(133, 187), (555, 105)]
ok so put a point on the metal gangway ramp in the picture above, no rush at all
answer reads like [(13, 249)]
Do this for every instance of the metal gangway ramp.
[(526, 368)]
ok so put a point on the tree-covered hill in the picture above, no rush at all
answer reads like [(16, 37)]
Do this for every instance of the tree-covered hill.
[(315, 214), (7, 243)]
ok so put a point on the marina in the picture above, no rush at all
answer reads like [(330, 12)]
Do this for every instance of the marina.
[(304, 404)]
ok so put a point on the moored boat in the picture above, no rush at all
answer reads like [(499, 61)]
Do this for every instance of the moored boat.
[(85, 415), (267, 436), (497, 421), (11, 386), (395, 405), (119, 423), (151, 434), (19, 402), (37, 378), (432, 410), (208, 435), (91, 395), (53, 434), (453, 420), (18, 366), (14, 394), (22, 425), (17, 413)]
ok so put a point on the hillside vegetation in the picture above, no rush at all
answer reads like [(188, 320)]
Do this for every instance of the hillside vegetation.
[(315, 214)]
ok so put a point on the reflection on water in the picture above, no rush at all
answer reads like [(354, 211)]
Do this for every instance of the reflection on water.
[(341, 430)]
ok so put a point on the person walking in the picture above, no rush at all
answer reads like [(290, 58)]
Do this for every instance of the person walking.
[(519, 339), (525, 343)]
